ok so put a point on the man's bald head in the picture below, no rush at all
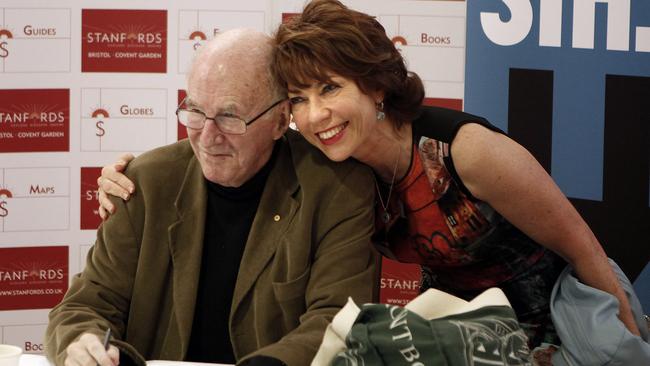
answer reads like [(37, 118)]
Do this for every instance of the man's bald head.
[(230, 78), (244, 54)]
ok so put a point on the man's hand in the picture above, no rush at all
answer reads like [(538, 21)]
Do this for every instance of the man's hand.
[(113, 182), (89, 351)]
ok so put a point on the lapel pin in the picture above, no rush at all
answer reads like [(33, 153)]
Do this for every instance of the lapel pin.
[(276, 218)]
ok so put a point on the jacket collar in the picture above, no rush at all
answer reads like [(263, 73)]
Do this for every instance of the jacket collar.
[(275, 211), (274, 214), (186, 248)]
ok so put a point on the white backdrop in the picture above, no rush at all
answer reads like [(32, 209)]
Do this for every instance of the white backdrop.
[(80, 83)]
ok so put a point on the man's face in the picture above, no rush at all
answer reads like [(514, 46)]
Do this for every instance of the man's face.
[(231, 160)]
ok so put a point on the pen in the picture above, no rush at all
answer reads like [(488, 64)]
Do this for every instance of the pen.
[(107, 338)]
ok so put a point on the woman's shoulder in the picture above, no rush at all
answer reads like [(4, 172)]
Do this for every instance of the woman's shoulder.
[(443, 124)]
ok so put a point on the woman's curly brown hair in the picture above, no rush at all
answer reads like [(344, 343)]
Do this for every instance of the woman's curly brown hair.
[(330, 38)]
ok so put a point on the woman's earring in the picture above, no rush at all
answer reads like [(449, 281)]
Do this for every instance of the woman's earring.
[(380, 111), (292, 123)]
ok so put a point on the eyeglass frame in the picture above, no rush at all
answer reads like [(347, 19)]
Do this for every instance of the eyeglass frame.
[(213, 119)]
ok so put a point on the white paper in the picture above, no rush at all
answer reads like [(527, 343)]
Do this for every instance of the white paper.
[(179, 363), (34, 360), (38, 360)]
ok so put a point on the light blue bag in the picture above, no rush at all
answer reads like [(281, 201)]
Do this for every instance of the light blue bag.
[(587, 323)]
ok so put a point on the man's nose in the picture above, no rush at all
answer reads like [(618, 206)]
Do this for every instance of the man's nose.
[(211, 132)]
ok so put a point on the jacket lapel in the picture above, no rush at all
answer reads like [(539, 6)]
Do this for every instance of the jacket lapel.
[(274, 214), (186, 248)]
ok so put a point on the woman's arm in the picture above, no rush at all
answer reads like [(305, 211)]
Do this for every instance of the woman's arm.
[(113, 182), (497, 170)]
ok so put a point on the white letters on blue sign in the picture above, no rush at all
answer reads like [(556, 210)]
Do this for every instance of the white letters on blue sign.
[(513, 31), (643, 39), (518, 27), (618, 24), (550, 23)]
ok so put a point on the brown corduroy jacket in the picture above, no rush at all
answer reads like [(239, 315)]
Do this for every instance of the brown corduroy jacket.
[(307, 251)]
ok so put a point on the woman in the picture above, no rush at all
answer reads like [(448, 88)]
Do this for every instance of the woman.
[(454, 193)]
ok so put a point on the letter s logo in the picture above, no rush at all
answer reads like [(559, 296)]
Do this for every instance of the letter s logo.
[(3, 211), (4, 51), (513, 31), (100, 130)]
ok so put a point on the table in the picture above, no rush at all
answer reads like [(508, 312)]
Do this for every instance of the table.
[(39, 360)]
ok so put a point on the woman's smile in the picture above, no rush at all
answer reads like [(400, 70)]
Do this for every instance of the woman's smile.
[(332, 135)]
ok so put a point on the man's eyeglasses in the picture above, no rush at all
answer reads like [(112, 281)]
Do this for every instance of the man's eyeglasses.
[(195, 119)]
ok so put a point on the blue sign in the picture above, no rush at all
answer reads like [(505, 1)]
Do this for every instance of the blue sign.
[(580, 49), (590, 53)]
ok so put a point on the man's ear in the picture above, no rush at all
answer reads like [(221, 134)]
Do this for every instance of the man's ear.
[(283, 120)]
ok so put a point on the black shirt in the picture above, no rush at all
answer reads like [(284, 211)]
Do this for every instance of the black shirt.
[(229, 216)]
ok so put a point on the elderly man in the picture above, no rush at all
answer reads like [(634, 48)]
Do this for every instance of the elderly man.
[(239, 245)]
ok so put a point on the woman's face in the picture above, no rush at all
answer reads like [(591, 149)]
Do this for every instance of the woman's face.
[(335, 117)]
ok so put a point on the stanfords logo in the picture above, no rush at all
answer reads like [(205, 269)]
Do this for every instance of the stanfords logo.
[(90, 219), (124, 40), (399, 283), (393, 283), (25, 117), (123, 37), (26, 126), (32, 277), (33, 274)]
